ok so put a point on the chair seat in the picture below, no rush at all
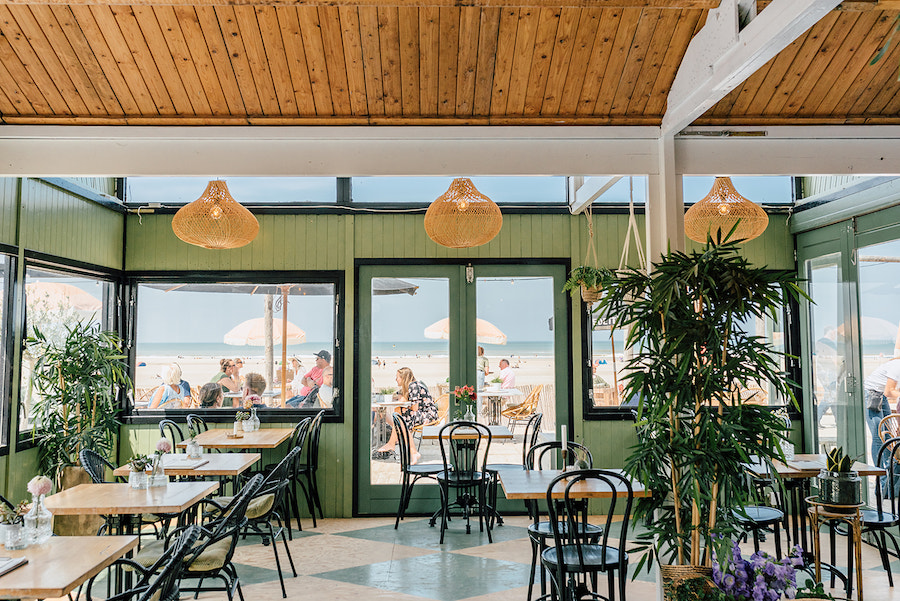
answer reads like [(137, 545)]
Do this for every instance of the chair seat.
[(212, 558), (425, 469), (759, 515), (870, 517), (258, 506), (544, 529), (595, 559), (460, 478)]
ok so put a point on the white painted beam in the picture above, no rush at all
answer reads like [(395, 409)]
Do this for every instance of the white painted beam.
[(722, 55), (325, 151), (589, 190), (665, 205)]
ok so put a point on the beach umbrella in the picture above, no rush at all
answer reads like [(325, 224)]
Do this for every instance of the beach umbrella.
[(67, 295), (253, 333), (485, 331), (873, 329)]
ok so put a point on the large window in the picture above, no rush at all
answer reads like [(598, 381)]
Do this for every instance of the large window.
[(272, 346), (54, 301)]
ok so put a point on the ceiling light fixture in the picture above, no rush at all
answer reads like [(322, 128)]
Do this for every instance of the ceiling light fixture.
[(721, 209), (215, 220), (462, 216)]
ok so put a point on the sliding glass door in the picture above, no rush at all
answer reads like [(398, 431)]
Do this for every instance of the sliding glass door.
[(461, 325)]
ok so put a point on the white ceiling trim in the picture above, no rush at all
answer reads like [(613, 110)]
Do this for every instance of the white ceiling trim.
[(722, 55)]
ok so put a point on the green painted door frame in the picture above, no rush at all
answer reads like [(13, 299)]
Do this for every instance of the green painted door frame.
[(383, 499)]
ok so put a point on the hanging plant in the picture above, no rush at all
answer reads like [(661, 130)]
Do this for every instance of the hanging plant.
[(589, 280)]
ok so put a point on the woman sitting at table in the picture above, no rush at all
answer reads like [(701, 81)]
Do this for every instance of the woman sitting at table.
[(254, 387), (174, 393), (224, 377), (421, 410), (211, 396)]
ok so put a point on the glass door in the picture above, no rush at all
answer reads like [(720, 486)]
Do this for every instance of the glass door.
[(461, 325)]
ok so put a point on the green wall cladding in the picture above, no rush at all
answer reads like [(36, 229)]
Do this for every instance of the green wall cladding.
[(8, 210), (59, 223)]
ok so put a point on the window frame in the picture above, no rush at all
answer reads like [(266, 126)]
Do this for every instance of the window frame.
[(338, 361), (590, 412), (25, 439), (7, 331)]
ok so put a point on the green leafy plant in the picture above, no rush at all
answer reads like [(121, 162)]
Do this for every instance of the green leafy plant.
[(812, 590), (241, 416), (79, 382), (838, 461), (388, 390), (695, 589), (497, 380), (690, 361), (589, 277), (140, 463)]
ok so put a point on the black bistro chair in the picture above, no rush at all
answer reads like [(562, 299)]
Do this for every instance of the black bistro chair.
[(548, 455), (307, 470), (410, 474), (532, 433), (196, 423), (578, 555), (758, 518), (170, 429), (464, 451), (886, 515)]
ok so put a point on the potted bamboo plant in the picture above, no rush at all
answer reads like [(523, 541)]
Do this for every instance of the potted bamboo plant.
[(690, 361)]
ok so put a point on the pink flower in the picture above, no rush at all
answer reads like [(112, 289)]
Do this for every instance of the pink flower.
[(163, 446), (40, 485)]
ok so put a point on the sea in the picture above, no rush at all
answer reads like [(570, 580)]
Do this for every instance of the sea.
[(434, 348)]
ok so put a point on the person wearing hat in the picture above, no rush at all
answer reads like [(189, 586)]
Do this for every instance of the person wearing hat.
[(312, 378)]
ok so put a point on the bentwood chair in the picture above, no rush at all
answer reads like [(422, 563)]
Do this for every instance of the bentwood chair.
[(889, 427), (532, 433), (464, 452), (548, 455), (196, 423), (159, 581), (579, 554), (886, 515), (307, 470), (170, 429), (409, 474)]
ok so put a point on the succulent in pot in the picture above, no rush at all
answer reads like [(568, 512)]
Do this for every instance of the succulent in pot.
[(838, 484)]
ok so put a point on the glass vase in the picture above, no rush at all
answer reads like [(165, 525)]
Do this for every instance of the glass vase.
[(137, 479), (469, 415), (254, 419), (15, 537), (38, 522), (193, 449), (157, 474)]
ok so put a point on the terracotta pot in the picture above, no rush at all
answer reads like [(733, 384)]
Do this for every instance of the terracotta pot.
[(75, 525), (672, 576)]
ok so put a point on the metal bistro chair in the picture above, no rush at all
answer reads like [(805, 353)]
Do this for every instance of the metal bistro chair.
[(170, 429), (307, 469), (532, 433), (889, 427), (464, 452), (886, 514), (548, 455), (196, 423), (158, 582), (579, 555), (758, 518), (409, 474)]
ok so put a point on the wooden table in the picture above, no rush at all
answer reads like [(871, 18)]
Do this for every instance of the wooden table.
[(497, 432), (59, 565), (809, 466), (524, 484), (217, 464), (265, 438), (121, 499)]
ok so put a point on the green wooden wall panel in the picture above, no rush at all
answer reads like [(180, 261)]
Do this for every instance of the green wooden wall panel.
[(774, 248), (8, 210)]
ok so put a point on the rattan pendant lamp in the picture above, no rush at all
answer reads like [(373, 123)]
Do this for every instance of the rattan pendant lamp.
[(215, 220), (720, 210), (462, 216)]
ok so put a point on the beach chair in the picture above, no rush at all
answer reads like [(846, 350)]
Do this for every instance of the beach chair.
[(522, 413)]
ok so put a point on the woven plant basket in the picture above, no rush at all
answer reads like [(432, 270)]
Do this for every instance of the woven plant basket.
[(590, 295), (672, 576)]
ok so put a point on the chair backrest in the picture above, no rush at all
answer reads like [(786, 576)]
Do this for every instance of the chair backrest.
[(532, 399), (548, 455), (569, 517), (301, 432), (282, 469), (465, 447), (171, 430), (94, 464), (889, 427), (170, 567), (315, 431), (229, 521), (402, 441), (887, 488), (532, 432), (443, 405), (196, 423)]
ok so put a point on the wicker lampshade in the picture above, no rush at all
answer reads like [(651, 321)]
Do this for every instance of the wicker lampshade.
[(462, 216), (721, 209), (215, 220)]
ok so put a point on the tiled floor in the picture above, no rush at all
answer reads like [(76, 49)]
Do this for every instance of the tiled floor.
[(365, 558)]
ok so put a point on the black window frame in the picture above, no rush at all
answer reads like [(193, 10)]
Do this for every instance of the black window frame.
[(338, 361), (7, 331)]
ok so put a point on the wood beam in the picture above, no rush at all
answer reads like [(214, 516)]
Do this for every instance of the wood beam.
[(659, 4), (722, 55)]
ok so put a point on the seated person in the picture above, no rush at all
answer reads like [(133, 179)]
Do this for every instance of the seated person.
[(326, 390), (598, 381), (297, 381), (174, 392), (224, 376), (422, 410), (254, 387), (507, 374), (211, 396), (312, 379)]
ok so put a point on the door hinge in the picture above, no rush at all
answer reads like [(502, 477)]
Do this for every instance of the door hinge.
[(470, 274)]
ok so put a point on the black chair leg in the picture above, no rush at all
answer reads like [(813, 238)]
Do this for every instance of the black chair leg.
[(777, 529)]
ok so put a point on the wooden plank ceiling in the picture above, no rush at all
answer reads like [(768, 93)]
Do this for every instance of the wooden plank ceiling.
[(345, 63)]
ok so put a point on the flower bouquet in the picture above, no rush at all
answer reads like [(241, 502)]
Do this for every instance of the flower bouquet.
[(38, 520), (157, 474), (466, 400)]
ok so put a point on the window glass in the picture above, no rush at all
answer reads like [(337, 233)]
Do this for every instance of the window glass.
[(170, 191), (230, 334), (423, 190), (4, 335), (763, 190), (54, 301)]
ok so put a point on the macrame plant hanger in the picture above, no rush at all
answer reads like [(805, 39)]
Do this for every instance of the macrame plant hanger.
[(623, 261), (590, 295)]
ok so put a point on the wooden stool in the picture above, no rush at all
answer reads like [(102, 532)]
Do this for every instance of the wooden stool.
[(819, 514)]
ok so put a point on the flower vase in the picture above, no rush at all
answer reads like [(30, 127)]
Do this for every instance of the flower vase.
[(15, 537), (194, 450), (247, 425), (254, 419), (137, 479), (38, 522), (158, 474), (469, 415)]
